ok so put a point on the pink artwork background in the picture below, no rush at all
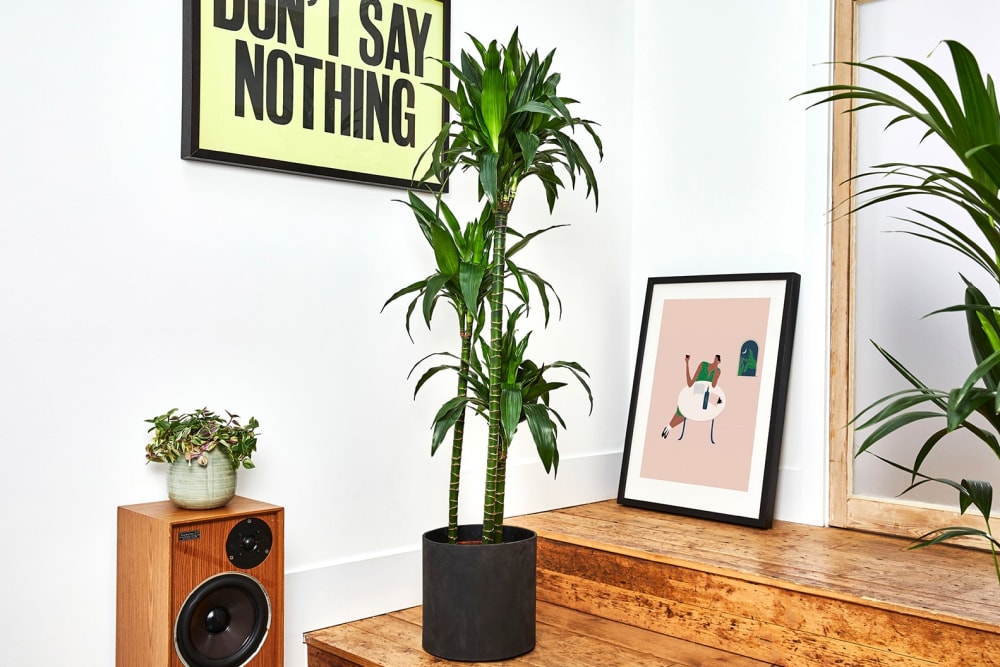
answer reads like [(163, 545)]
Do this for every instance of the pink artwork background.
[(704, 328)]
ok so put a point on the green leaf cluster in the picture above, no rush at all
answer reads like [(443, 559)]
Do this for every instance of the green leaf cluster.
[(525, 393), (967, 121), (462, 277), (511, 124), (189, 436)]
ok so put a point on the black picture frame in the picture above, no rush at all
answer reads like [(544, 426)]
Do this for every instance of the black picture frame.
[(712, 365), (264, 91)]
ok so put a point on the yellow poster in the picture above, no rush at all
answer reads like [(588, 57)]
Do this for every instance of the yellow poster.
[(332, 88)]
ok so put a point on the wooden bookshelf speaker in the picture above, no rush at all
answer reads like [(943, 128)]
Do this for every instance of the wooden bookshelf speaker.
[(200, 588)]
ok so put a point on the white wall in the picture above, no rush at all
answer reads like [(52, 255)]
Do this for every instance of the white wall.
[(132, 281), (732, 177)]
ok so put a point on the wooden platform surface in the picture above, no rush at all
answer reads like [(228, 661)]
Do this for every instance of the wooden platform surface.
[(948, 583), (625, 587), (564, 637)]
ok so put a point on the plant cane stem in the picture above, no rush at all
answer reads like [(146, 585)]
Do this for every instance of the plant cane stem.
[(458, 437), (492, 519), (501, 489)]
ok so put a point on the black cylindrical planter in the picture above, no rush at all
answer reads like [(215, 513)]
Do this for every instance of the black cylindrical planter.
[(479, 599)]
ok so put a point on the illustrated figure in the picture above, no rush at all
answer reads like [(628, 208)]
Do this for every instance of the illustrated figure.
[(702, 399)]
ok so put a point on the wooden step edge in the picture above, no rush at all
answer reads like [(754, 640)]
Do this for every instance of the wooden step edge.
[(783, 584)]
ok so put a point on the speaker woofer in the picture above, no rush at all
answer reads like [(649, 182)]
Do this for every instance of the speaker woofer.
[(223, 622)]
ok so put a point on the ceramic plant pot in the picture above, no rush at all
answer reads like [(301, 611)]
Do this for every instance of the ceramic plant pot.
[(479, 599), (197, 487)]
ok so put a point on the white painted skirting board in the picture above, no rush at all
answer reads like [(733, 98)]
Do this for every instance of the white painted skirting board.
[(348, 591)]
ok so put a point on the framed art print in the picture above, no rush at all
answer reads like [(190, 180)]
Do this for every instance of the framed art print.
[(708, 397), (331, 88)]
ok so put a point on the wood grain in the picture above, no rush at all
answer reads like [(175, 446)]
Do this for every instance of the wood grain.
[(792, 595), (564, 637), (946, 583), (842, 270), (625, 586)]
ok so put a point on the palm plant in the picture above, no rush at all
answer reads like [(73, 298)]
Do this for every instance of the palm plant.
[(968, 122), (511, 124)]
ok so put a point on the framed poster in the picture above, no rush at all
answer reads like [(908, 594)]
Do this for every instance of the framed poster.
[(708, 398), (331, 88)]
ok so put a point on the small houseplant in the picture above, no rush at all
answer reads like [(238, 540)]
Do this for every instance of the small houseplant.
[(968, 122), (204, 450), (511, 124)]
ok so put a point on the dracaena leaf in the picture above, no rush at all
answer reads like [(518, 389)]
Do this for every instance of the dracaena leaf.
[(470, 277), (445, 419), (510, 409), (494, 97), (434, 285), (488, 176), (445, 251), (543, 432), (529, 145)]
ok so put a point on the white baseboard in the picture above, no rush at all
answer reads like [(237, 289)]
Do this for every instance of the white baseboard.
[(347, 591)]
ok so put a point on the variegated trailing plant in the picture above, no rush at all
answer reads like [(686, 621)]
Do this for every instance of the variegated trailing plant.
[(968, 122), (510, 124), (191, 436)]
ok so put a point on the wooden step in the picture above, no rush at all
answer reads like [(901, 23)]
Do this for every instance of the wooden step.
[(564, 637), (619, 586), (793, 595)]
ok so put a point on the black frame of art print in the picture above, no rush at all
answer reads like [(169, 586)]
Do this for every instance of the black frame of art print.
[(328, 88), (708, 397)]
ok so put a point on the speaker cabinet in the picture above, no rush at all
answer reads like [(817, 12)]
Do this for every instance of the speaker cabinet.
[(200, 588)]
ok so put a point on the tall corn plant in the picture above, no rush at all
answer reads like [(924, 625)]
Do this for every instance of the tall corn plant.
[(510, 124), (968, 122)]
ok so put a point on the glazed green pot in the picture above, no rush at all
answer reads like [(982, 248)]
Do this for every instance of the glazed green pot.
[(197, 487)]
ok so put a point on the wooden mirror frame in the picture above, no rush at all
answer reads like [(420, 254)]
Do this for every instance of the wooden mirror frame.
[(847, 510)]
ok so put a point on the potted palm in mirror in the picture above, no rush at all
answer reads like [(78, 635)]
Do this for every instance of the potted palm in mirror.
[(967, 121), (203, 451), (510, 124)]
